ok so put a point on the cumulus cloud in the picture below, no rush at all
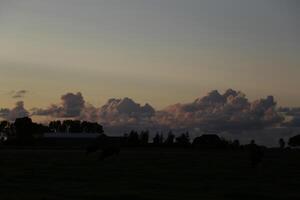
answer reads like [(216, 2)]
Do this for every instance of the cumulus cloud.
[(72, 104), (71, 107), (116, 113), (89, 113), (227, 111), (230, 110), (16, 112), (292, 112), (292, 116), (125, 111)]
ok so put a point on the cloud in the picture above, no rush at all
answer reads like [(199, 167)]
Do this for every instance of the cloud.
[(18, 94), (89, 113), (290, 111), (16, 112), (72, 104), (230, 114), (230, 110), (294, 122), (121, 113), (125, 111), (292, 116), (71, 107)]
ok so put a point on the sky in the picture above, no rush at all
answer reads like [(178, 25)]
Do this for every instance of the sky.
[(156, 51)]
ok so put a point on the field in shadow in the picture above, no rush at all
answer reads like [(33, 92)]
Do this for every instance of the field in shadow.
[(147, 174)]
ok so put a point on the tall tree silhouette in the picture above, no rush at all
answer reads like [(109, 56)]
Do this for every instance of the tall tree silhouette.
[(133, 138), (144, 137), (170, 138), (55, 126), (24, 130), (183, 139), (158, 139), (281, 143)]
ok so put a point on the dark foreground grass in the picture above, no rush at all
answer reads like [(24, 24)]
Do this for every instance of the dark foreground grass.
[(147, 174)]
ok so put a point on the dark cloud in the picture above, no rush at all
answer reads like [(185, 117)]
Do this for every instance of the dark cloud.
[(72, 104), (89, 113), (228, 111), (71, 107), (4, 113), (232, 110), (18, 94), (16, 112), (290, 111), (294, 122), (52, 111), (125, 111), (292, 116), (116, 112)]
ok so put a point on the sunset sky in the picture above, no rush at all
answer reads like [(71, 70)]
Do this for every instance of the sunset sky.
[(156, 51)]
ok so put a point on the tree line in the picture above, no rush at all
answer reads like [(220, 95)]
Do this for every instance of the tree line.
[(74, 126), (133, 138), (25, 130)]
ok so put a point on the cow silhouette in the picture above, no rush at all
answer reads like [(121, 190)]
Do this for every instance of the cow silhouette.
[(256, 154), (108, 146)]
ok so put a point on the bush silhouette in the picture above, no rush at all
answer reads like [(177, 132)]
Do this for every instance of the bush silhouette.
[(208, 141), (294, 141)]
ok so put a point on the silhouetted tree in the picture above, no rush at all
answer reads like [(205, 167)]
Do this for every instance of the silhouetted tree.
[(207, 141), (5, 130), (183, 139), (144, 137), (157, 139), (90, 127), (133, 138), (24, 130), (161, 138), (75, 127), (294, 141), (281, 143), (5, 127), (65, 126), (236, 144), (39, 129), (55, 126), (170, 138)]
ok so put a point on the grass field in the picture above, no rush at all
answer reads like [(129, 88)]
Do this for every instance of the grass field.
[(147, 174)]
